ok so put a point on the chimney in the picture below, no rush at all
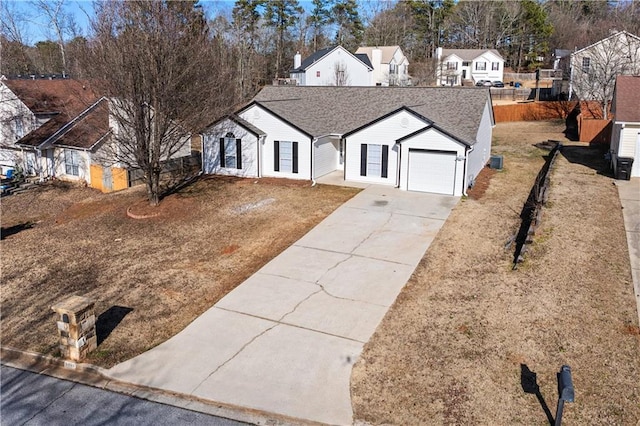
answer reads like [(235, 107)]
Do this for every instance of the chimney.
[(438, 53), (297, 60)]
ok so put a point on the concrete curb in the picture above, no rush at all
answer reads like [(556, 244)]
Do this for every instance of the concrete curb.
[(92, 375)]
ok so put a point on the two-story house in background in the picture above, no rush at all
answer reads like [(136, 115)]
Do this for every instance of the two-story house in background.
[(594, 68), (457, 67), (390, 65)]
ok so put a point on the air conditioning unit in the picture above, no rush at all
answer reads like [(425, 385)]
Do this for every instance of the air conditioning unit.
[(495, 162)]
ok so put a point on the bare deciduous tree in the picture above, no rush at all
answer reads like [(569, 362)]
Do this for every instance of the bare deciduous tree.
[(164, 76), (594, 69)]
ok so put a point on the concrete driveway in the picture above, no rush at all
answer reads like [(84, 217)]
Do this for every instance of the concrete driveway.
[(285, 340)]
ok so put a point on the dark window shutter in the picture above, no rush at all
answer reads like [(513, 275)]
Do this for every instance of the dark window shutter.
[(238, 154), (222, 153), (295, 157), (363, 159), (385, 160), (276, 156)]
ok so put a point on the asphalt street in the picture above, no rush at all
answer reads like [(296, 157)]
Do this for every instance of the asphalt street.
[(33, 399)]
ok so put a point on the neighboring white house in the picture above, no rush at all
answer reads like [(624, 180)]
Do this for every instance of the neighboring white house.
[(625, 138), (455, 66), (595, 67), (333, 66), (61, 129), (390, 65), (415, 138)]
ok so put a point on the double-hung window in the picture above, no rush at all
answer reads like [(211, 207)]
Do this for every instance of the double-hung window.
[(374, 160), (230, 152), (586, 64), (495, 66), (481, 66), (71, 162), (452, 65), (18, 127), (285, 156)]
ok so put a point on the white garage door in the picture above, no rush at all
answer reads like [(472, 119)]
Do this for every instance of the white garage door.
[(325, 158), (432, 171)]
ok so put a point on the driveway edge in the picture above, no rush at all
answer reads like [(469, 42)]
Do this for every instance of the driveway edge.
[(92, 375)]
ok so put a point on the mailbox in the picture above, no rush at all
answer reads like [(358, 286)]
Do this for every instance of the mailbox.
[(76, 323)]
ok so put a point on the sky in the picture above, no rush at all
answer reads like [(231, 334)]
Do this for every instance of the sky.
[(37, 27)]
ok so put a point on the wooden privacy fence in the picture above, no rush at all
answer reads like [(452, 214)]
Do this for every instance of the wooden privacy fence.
[(533, 111), (594, 131)]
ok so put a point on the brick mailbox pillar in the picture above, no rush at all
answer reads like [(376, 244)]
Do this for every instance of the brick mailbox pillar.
[(76, 322)]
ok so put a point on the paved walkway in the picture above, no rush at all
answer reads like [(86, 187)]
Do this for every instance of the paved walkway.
[(285, 340), (629, 192)]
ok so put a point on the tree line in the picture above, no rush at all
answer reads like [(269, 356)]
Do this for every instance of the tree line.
[(261, 36)]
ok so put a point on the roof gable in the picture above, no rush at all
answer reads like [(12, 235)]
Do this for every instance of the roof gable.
[(626, 102), (322, 110), (619, 34), (324, 53), (470, 54), (387, 52)]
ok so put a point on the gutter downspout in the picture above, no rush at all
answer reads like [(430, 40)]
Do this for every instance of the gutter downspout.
[(466, 160), (261, 139), (201, 153), (313, 142), (399, 162)]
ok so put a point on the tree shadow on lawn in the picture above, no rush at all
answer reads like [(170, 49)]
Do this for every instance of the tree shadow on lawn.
[(591, 156), (529, 382), (109, 320), (12, 230)]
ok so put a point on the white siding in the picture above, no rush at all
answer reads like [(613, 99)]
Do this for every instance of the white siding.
[(211, 150), (432, 139), (481, 152), (628, 146), (278, 130), (83, 166), (384, 132), (357, 73), (325, 157)]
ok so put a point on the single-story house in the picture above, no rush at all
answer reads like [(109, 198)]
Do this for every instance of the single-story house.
[(430, 139), (625, 138), (333, 66)]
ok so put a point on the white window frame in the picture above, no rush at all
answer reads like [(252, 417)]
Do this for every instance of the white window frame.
[(286, 164), (374, 160), (230, 155), (452, 65), (495, 66), (586, 64), (71, 162), (481, 66), (18, 126)]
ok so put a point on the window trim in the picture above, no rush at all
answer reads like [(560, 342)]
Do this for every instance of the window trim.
[(365, 153), (495, 66), (484, 66), (71, 162), (237, 154), (586, 67), (277, 156)]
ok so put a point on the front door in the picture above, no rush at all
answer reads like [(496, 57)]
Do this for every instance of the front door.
[(464, 74)]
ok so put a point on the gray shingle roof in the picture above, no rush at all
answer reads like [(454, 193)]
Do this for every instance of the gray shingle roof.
[(322, 110), (316, 56), (468, 54)]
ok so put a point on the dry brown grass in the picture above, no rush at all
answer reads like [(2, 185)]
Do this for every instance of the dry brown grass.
[(166, 270), (451, 349)]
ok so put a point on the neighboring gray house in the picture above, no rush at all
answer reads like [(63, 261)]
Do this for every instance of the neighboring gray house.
[(625, 139), (594, 68), (429, 139)]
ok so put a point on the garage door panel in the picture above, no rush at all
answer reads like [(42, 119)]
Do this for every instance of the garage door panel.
[(432, 171)]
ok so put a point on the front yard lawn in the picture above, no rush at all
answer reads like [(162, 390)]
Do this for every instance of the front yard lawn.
[(453, 348), (150, 277)]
